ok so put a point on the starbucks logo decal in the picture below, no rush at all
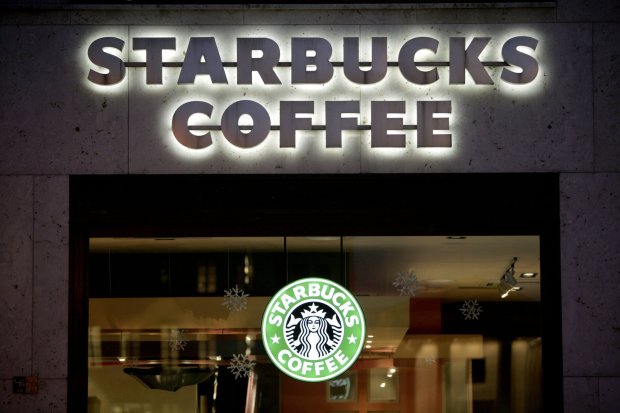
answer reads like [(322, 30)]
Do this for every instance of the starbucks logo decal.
[(313, 329), (312, 334)]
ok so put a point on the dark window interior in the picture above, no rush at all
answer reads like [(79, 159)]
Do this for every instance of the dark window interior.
[(283, 205)]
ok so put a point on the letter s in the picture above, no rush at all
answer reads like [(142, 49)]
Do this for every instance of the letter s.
[(275, 319), (351, 321), (527, 63), (115, 66)]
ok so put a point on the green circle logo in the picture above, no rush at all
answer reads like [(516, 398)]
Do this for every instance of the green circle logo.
[(313, 329)]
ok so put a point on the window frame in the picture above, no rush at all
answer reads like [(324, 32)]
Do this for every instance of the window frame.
[(294, 205)]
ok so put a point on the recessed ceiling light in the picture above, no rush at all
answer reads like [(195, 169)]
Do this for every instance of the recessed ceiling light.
[(528, 274)]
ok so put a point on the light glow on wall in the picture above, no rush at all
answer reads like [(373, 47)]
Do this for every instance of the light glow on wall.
[(82, 56), (161, 93)]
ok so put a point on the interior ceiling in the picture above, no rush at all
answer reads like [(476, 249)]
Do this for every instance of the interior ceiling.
[(456, 269)]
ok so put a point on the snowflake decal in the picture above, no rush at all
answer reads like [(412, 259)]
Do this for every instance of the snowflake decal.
[(471, 309), (241, 365), (178, 341), (406, 283), (235, 299)]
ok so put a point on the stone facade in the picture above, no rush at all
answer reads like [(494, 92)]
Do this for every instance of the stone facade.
[(52, 127)]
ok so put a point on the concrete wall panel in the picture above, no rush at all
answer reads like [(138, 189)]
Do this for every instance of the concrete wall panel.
[(51, 122), (590, 236), (606, 68), (160, 14), (609, 388), (587, 10), (347, 14), (544, 126), (581, 394), (16, 215), (485, 14), (51, 281), (549, 121), (154, 149)]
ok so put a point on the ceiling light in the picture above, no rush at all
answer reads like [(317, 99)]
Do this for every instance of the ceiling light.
[(528, 275), (508, 282)]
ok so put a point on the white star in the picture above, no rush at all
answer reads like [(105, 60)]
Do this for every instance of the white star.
[(352, 339), (313, 308), (275, 339)]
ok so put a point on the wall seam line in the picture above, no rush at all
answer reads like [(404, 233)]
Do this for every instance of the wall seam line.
[(598, 394), (594, 168), (32, 292), (128, 172)]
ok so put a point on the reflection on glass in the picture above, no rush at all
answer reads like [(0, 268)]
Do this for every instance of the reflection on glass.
[(344, 388), (383, 385), (161, 339)]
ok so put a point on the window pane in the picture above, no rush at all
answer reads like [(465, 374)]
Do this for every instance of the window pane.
[(175, 324)]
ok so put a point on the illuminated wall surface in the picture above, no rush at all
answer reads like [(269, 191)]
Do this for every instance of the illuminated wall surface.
[(55, 123), (493, 125)]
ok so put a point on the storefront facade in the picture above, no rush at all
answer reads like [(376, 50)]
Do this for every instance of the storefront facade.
[(229, 122)]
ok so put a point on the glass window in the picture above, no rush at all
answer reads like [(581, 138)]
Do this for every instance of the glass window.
[(453, 324)]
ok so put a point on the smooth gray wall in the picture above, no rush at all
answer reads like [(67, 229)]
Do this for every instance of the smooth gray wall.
[(50, 128)]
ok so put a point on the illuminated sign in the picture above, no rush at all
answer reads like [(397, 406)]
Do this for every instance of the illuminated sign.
[(313, 329), (246, 123)]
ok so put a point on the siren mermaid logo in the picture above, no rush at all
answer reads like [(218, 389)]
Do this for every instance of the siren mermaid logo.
[(313, 329), (313, 335)]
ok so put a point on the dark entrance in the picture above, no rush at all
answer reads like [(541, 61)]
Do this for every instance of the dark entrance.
[(313, 206)]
